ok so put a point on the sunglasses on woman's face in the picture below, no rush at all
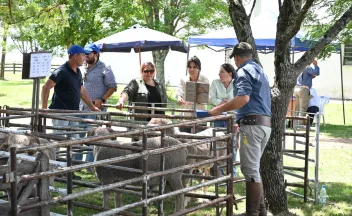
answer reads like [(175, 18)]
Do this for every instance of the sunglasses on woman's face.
[(148, 71)]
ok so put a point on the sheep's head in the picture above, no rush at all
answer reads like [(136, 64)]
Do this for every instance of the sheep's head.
[(19, 141), (100, 131), (161, 121)]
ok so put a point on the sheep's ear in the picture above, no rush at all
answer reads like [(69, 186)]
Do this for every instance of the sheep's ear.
[(4, 146), (6, 139), (34, 141), (110, 130), (91, 132)]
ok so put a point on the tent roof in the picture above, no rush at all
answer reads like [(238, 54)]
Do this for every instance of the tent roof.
[(138, 37)]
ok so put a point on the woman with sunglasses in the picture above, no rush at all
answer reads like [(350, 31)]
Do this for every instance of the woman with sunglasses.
[(144, 91), (193, 68)]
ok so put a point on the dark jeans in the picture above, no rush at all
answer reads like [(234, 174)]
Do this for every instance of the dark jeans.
[(312, 111)]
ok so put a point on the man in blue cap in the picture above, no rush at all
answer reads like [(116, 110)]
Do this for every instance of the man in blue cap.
[(68, 87), (99, 81)]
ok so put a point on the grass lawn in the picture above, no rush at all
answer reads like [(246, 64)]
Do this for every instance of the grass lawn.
[(335, 168)]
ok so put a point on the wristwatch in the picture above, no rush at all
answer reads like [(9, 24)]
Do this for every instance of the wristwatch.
[(102, 100)]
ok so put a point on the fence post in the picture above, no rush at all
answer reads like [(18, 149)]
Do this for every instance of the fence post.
[(14, 68)]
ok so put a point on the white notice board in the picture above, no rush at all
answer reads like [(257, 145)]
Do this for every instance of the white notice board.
[(40, 65)]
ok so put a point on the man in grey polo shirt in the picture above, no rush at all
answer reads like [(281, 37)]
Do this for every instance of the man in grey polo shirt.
[(252, 103), (99, 81)]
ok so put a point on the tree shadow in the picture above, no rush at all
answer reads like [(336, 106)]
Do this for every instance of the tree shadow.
[(337, 131), (339, 200)]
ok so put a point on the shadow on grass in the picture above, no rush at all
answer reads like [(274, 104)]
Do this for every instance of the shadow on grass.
[(337, 131), (339, 201)]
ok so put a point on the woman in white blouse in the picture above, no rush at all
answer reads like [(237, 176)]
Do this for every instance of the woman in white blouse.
[(221, 91)]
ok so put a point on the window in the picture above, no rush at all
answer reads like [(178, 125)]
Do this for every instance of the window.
[(347, 60)]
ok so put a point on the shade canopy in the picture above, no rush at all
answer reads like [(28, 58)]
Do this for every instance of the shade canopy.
[(141, 39), (264, 33)]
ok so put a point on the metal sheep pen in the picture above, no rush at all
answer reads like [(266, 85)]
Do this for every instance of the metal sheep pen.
[(143, 153)]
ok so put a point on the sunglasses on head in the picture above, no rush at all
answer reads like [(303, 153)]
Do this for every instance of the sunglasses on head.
[(148, 71)]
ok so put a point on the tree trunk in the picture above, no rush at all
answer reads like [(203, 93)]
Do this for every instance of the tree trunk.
[(159, 60), (3, 53)]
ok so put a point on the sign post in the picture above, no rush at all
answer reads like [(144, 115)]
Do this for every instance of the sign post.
[(36, 65)]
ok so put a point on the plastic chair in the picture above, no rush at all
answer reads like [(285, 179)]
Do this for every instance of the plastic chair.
[(323, 101)]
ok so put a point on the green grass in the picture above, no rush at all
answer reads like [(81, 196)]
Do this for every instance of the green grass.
[(335, 169)]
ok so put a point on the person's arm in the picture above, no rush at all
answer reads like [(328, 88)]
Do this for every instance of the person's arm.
[(313, 71), (46, 91), (127, 93), (110, 82), (244, 90), (213, 100), (180, 93), (86, 99)]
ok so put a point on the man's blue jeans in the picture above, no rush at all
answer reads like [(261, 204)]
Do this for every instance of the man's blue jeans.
[(84, 126)]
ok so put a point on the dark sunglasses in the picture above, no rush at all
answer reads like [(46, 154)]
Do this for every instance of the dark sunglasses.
[(148, 71)]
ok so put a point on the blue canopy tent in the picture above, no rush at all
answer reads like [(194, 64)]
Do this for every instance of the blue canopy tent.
[(264, 32), (140, 39)]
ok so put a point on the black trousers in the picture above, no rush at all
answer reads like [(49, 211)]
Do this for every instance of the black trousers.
[(312, 110)]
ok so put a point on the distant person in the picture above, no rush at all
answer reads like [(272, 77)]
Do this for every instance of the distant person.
[(99, 81), (313, 105), (303, 85), (193, 67), (144, 91)]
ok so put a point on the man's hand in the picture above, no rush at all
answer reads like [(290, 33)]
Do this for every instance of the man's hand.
[(93, 108), (119, 105), (236, 128), (315, 62), (180, 101), (223, 102), (215, 111), (98, 103)]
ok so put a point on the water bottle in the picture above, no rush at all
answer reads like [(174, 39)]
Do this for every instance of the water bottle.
[(322, 197)]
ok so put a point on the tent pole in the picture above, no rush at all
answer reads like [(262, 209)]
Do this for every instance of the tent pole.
[(343, 98), (140, 57), (189, 47)]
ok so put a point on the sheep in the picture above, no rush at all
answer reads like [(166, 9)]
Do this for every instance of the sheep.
[(106, 175), (20, 141), (203, 149)]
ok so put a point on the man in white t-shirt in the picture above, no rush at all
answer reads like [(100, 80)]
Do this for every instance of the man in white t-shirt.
[(313, 105)]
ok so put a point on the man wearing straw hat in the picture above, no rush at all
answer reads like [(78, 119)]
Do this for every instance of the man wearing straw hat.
[(252, 105)]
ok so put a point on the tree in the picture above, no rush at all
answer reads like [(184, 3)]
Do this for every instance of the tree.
[(291, 16), (179, 18)]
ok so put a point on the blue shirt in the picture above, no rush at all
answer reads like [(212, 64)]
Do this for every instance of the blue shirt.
[(305, 78), (67, 91), (252, 81)]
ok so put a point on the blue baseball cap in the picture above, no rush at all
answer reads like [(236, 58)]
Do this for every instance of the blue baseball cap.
[(92, 47), (75, 49)]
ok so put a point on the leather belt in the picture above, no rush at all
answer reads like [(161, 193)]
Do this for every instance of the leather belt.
[(255, 120)]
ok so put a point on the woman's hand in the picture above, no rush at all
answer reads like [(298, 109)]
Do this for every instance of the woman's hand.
[(181, 101), (119, 104)]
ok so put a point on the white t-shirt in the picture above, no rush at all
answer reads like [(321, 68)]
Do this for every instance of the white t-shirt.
[(315, 100)]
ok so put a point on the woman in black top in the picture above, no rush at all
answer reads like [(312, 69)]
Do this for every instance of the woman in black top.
[(144, 91)]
